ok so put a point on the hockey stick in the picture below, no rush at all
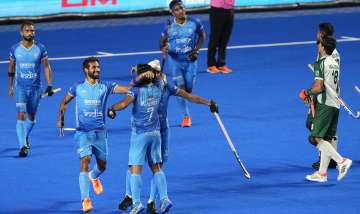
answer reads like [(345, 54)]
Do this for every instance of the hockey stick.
[(339, 100), (357, 89), (55, 90), (61, 131), (246, 173)]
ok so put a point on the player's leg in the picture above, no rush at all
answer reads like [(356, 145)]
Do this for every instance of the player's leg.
[(100, 152), (137, 153), (85, 152), (21, 102), (159, 176), (34, 95), (127, 200)]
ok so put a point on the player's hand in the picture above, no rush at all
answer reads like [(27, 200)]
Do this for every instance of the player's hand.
[(11, 91), (305, 96), (213, 107), (193, 55), (49, 90), (111, 113), (147, 74)]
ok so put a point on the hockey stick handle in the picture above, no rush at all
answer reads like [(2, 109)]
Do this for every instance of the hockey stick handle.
[(55, 90), (246, 173)]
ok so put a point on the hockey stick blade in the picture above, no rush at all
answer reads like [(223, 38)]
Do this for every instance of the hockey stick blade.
[(357, 89), (55, 90)]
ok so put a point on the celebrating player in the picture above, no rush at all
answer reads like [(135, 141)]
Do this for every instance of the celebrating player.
[(180, 42), (24, 81), (91, 136), (324, 123)]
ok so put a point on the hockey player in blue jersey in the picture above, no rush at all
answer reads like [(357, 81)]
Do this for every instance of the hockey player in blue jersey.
[(180, 42), (24, 81), (168, 89), (145, 139), (91, 96)]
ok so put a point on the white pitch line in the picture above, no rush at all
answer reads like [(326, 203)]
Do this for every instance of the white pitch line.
[(104, 53), (343, 39)]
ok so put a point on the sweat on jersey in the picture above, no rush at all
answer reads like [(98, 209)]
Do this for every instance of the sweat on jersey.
[(328, 70), (145, 117), (182, 38), (90, 107), (27, 64)]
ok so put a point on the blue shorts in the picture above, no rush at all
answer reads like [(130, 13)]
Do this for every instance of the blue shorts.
[(27, 100), (145, 145), (164, 144), (92, 143), (183, 72)]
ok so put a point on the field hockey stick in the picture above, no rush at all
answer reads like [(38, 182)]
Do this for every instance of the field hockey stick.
[(339, 100), (55, 90), (246, 173), (357, 89), (62, 130)]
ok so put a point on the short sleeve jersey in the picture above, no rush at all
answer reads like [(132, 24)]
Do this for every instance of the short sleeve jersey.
[(328, 70), (182, 38), (145, 117), (90, 104), (28, 64)]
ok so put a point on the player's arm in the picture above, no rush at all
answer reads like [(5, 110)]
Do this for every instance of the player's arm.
[(62, 109), (163, 44), (119, 89), (199, 100), (11, 75), (200, 40), (111, 112), (48, 75)]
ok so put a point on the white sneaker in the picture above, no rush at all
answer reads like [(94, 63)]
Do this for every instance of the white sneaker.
[(343, 168), (317, 177)]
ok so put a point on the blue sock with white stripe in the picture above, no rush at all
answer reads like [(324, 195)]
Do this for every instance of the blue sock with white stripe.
[(20, 131), (152, 190), (84, 184), (135, 182), (160, 182)]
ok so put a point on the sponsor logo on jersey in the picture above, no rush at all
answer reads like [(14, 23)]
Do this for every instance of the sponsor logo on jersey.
[(89, 102)]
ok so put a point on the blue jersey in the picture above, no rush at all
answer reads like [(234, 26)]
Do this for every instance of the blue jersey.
[(145, 116), (169, 89), (182, 38), (91, 104), (27, 64)]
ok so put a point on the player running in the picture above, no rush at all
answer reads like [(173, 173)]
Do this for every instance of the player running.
[(91, 136), (169, 89), (24, 81), (326, 29), (180, 42), (327, 72)]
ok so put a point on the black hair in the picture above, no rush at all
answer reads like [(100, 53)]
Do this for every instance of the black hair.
[(326, 28), (26, 23), (173, 3), (88, 60), (329, 43)]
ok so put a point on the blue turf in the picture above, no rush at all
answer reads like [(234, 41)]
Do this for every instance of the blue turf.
[(258, 103)]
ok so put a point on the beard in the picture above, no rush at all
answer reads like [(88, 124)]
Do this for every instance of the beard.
[(94, 76), (28, 38)]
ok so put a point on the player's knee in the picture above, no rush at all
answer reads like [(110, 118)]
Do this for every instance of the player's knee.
[(21, 116), (102, 167), (188, 90), (312, 140), (31, 116), (84, 163), (155, 168)]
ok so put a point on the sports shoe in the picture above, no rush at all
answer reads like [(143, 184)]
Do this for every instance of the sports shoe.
[(317, 177), (344, 168), (98, 189), (23, 152), (186, 122), (165, 205), (213, 70), (86, 205), (224, 69), (125, 203), (332, 165), (151, 208), (137, 208), (27, 144)]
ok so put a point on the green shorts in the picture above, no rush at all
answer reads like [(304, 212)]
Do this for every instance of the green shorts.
[(324, 124)]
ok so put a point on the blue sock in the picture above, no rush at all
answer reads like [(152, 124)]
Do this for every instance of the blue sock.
[(95, 173), (183, 106), (135, 182), (84, 184), (160, 183), (20, 131), (28, 127), (152, 190), (128, 187)]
